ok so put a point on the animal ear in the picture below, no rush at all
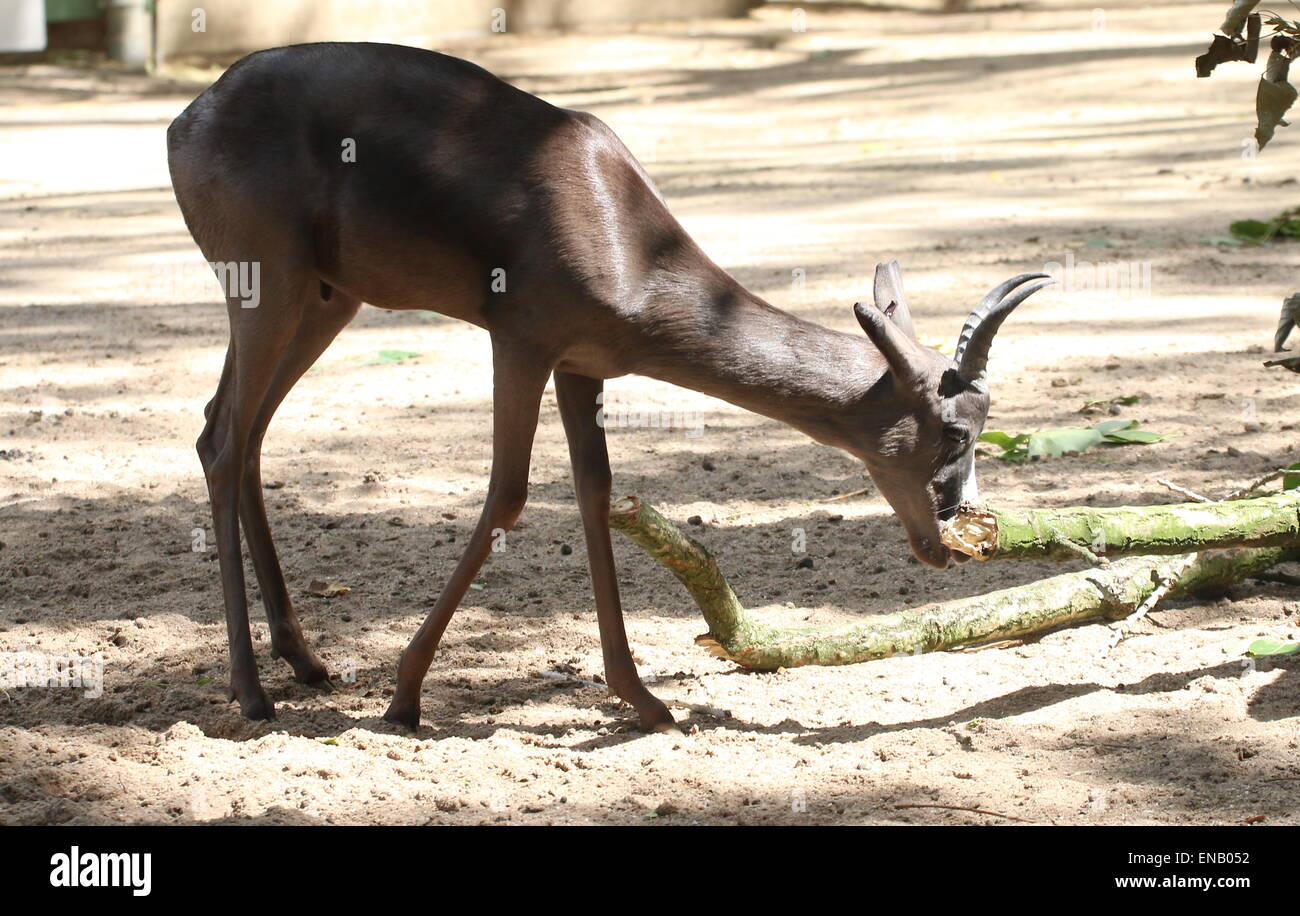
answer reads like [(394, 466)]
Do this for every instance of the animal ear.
[(888, 293), (899, 350)]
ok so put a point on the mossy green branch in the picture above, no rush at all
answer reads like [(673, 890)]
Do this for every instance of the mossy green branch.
[(1110, 592), (688, 560), (1062, 534)]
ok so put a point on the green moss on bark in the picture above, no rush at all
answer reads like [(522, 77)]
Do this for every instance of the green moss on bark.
[(1060, 534), (1110, 592)]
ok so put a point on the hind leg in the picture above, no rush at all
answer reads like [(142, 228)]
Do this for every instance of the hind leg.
[(320, 323), (258, 339)]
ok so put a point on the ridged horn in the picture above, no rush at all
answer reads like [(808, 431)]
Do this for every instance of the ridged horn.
[(977, 334)]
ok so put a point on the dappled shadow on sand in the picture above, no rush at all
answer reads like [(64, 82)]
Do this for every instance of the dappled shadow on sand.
[(1200, 770)]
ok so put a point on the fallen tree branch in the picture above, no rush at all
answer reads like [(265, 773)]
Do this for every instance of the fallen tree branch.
[(1112, 592), (1060, 534), (1010, 817)]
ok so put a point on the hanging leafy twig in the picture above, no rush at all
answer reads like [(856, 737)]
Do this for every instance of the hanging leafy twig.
[(1274, 95)]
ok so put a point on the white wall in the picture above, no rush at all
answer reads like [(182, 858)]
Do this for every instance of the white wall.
[(246, 25)]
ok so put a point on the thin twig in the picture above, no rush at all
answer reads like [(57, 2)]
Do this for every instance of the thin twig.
[(712, 712), (1183, 491), (862, 492), (1122, 629), (1010, 817), (1256, 484), (1080, 551), (1000, 644)]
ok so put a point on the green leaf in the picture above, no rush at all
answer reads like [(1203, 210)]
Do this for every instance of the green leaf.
[(1004, 440), (390, 356), (1106, 427), (1273, 97), (1124, 400), (1291, 481), (1135, 437), (1222, 49), (1263, 648), (1056, 442), (1013, 447), (1251, 230)]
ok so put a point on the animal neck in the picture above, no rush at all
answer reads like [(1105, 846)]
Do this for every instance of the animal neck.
[(734, 346)]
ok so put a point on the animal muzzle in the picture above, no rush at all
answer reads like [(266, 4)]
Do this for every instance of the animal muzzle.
[(927, 548)]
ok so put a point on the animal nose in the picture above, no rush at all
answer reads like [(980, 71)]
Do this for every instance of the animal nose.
[(925, 550)]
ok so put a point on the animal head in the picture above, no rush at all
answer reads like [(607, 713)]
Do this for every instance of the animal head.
[(927, 410)]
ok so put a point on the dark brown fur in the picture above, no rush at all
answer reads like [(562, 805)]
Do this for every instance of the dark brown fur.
[(458, 174)]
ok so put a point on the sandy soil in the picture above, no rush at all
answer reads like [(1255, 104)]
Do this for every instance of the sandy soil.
[(970, 147)]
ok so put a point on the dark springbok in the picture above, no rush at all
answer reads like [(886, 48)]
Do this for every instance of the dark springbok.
[(404, 178)]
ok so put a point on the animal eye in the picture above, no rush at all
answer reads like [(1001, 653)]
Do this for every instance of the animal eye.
[(958, 435)]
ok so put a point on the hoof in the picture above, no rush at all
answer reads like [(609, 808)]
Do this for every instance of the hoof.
[(652, 712), (307, 668), (254, 704), (314, 675), (660, 721), (404, 714), (323, 684)]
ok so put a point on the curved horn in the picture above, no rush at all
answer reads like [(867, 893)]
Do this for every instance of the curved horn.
[(888, 294), (977, 334)]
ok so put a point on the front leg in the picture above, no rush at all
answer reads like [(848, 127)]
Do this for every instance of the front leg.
[(518, 380), (576, 395)]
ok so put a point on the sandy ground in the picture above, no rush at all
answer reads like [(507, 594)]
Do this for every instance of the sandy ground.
[(970, 147)]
